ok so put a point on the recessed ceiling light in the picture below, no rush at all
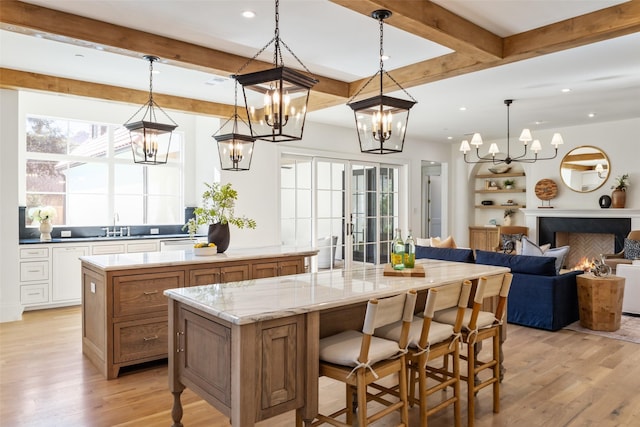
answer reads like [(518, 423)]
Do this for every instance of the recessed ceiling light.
[(385, 57), (463, 108), (566, 90), (248, 14), (591, 115), (449, 137), (215, 80), (79, 55)]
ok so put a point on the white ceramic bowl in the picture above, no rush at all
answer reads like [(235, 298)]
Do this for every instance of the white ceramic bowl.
[(206, 251)]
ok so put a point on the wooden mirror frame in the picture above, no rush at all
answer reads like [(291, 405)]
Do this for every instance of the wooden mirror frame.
[(578, 169)]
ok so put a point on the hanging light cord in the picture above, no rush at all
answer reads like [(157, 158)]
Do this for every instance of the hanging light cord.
[(277, 55), (151, 103), (382, 71)]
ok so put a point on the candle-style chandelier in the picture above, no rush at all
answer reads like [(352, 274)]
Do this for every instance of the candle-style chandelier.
[(525, 137), (234, 148), (276, 99), (381, 121), (150, 139)]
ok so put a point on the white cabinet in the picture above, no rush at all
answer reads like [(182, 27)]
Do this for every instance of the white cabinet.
[(50, 273), (66, 281)]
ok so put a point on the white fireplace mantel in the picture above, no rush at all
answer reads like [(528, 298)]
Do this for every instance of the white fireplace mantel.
[(532, 215)]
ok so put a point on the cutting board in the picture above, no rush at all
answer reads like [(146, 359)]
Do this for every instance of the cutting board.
[(417, 271)]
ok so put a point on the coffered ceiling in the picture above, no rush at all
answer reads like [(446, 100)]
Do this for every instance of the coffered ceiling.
[(447, 54)]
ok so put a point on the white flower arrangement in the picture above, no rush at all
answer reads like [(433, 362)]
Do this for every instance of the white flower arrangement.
[(42, 213)]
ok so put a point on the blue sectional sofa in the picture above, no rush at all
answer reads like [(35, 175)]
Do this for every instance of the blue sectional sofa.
[(538, 297)]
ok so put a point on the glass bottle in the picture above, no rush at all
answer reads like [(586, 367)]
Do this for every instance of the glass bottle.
[(409, 251), (397, 251)]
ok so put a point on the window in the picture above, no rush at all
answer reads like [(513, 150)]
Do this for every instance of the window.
[(86, 172)]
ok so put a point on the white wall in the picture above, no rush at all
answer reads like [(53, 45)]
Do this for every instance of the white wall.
[(10, 308)]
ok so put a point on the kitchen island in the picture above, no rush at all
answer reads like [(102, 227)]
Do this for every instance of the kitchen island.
[(124, 311), (250, 348)]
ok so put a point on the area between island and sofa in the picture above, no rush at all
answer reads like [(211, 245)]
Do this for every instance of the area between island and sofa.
[(250, 348)]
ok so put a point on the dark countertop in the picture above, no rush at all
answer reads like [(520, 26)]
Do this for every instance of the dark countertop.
[(105, 239)]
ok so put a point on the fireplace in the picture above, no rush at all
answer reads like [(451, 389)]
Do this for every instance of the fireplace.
[(587, 237)]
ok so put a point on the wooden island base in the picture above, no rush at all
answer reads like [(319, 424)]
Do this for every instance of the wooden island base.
[(124, 310), (251, 349)]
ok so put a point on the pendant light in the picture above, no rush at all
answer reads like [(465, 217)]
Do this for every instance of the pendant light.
[(276, 99), (381, 121), (525, 137), (150, 140), (235, 149)]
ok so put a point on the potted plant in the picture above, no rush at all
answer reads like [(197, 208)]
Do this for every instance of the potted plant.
[(509, 184), (217, 210), (619, 194)]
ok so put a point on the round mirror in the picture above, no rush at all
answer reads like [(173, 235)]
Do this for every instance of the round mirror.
[(585, 169)]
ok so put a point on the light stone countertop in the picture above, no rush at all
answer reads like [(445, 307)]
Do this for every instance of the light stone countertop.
[(172, 258), (257, 300)]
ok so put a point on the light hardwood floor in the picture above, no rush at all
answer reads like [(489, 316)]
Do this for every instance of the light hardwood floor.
[(559, 378)]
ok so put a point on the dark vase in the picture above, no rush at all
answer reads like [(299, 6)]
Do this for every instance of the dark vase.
[(219, 234), (618, 198), (605, 201)]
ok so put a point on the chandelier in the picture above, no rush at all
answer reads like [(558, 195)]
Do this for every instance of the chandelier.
[(276, 99), (235, 149), (525, 138), (381, 121), (150, 139)]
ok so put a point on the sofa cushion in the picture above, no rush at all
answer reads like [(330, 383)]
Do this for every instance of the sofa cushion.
[(559, 254), (445, 254), (631, 249), (542, 266)]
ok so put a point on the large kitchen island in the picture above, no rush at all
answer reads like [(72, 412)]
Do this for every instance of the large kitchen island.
[(250, 348), (124, 310)]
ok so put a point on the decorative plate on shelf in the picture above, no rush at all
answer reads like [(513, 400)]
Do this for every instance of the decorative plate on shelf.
[(546, 189)]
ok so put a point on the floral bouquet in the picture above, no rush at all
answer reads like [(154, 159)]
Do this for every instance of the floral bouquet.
[(42, 213)]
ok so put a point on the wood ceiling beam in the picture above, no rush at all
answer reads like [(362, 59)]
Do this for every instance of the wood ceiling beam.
[(14, 79), (605, 24), (435, 23), (78, 30)]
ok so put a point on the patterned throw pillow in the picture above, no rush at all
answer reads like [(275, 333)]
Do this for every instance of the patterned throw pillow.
[(631, 249), (509, 242)]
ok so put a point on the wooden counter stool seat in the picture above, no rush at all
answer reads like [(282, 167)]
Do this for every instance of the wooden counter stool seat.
[(359, 359), (477, 326), (430, 341)]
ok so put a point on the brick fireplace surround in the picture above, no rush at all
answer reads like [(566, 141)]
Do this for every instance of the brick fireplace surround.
[(593, 231)]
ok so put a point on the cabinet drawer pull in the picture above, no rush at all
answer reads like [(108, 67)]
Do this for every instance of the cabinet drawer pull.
[(34, 271), (150, 292), (179, 347), (155, 337)]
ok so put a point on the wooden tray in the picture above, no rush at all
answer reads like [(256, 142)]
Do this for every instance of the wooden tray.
[(417, 271)]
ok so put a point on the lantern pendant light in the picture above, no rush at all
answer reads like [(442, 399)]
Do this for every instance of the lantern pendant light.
[(276, 99), (150, 140), (381, 121), (235, 149)]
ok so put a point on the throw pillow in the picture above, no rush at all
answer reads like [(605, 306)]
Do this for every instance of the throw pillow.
[(531, 249), (631, 249), (509, 242), (423, 242), (446, 243)]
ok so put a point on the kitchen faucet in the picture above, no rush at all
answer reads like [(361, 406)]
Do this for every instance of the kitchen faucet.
[(115, 231)]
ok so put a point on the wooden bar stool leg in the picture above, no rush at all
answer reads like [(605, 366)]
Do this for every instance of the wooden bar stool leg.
[(471, 388)]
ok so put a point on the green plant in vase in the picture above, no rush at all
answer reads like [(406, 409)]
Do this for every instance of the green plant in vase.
[(509, 184), (218, 211)]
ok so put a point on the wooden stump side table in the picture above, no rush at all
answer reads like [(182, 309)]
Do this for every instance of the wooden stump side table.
[(600, 301)]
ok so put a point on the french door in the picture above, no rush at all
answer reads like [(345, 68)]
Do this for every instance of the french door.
[(348, 210)]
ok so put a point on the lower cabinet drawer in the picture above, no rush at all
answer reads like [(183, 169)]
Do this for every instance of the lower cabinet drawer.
[(34, 294), (140, 339)]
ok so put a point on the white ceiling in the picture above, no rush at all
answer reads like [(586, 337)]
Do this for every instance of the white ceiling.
[(336, 42)]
